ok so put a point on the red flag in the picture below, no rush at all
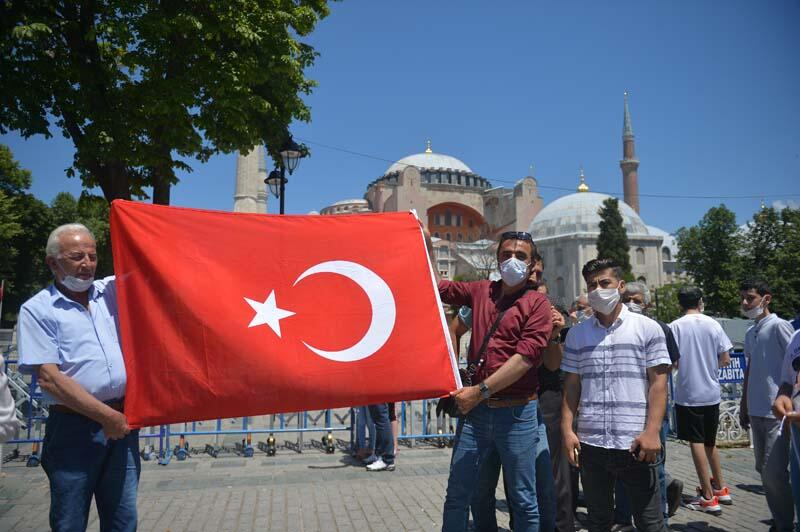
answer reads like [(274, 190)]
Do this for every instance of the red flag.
[(229, 315)]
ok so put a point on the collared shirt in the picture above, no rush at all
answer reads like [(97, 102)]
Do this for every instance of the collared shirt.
[(84, 344), (701, 341), (612, 365), (524, 329), (764, 348)]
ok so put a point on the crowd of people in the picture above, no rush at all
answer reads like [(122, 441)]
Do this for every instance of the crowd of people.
[(550, 396)]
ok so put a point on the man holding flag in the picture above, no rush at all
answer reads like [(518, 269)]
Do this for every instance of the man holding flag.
[(68, 338), (511, 327)]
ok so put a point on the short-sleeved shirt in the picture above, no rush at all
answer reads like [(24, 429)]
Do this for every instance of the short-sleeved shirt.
[(612, 365), (765, 348), (789, 374), (84, 344), (701, 340), (524, 329)]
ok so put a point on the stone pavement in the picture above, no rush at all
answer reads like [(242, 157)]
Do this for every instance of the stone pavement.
[(314, 491)]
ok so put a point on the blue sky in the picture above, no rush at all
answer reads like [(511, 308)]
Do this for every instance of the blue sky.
[(502, 85)]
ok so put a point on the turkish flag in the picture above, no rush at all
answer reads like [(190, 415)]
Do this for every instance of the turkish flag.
[(229, 315)]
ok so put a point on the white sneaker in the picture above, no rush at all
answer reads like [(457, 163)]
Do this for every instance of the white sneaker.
[(380, 465)]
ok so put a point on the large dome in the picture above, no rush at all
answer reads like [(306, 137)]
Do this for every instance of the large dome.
[(579, 213), (429, 160)]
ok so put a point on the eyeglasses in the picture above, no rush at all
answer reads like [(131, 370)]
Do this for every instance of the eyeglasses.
[(516, 235)]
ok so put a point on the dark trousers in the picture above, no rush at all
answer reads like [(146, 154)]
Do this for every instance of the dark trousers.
[(384, 442), (600, 468), (550, 407)]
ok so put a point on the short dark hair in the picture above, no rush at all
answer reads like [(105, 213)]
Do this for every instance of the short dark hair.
[(598, 265), (759, 285), (522, 237), (689, 297)]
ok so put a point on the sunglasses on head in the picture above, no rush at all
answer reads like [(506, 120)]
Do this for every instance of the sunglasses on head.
[(516, 235)]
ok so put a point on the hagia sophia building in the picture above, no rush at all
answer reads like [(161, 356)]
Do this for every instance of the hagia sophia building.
[(466, 214)]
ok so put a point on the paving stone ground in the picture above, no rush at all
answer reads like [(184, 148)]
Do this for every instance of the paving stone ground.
[(314, 491)]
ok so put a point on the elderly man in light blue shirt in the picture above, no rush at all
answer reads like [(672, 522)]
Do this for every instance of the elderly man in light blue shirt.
[(68, 338)]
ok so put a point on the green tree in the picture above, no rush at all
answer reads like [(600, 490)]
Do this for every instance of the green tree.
[(143, 87), (613, 240), (711, 253), (772, 253), (666, 303), (23, 250)]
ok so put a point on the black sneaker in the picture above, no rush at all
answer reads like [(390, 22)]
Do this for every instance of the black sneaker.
[(674, 492)]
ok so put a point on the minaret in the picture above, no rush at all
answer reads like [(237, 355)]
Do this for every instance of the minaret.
[(629, 163), (251, 192)]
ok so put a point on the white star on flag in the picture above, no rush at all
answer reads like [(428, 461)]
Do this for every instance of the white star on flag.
[(269, 313)]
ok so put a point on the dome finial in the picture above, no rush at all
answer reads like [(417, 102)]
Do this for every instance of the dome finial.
[(428, 146), (583, 187)]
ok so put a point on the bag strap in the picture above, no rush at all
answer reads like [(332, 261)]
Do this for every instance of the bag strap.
[(473, 369)]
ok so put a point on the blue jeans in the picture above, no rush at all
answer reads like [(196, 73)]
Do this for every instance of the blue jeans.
[(82, 463), (622, 509), (384, 440), (513, 433), (365, 429), (483, 502), (794, 470)]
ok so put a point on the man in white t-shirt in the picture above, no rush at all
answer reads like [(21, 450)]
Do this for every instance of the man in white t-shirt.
[(704, 348)]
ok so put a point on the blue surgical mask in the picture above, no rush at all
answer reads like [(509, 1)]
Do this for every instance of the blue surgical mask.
[(513, 271)]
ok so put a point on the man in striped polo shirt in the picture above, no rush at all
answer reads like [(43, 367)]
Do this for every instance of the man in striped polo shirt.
[(616, 367)]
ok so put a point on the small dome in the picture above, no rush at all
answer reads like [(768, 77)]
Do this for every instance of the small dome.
[(579, 213), (429, 160), (670, 242)]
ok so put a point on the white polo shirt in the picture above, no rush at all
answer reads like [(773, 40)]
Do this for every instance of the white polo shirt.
[(700, 340), (612, 365)]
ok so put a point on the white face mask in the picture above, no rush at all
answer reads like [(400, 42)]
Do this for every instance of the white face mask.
[(603, 300), (513, 271), (75, 284), (754, 312), (582, 316), (634, 307)]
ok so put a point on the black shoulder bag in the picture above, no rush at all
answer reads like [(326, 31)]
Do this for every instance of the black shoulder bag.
[(448, 404)]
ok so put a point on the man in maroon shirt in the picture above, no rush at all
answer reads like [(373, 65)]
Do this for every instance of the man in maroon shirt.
[(500, 407)]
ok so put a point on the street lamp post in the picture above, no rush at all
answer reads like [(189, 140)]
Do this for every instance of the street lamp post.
[(291, 153)]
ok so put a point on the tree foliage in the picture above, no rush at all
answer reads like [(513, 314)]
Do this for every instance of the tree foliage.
[(22, 264), (143, 87), (772, 253), (613, 240), (665, 301), (711, 253)]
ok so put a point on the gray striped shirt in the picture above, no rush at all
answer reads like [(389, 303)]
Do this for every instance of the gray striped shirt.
[(612, 365)]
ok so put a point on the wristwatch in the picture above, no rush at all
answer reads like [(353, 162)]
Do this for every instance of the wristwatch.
[(485, 393)]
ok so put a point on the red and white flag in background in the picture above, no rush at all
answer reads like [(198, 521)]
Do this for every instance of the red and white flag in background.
[(230, 315)]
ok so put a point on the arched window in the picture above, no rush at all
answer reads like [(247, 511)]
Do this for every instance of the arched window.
[(559, 257), (448, 236), (444, 252), (639, 256), (560, 287), (642, 279), (436, 234), (666, 254), (448, 217)]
